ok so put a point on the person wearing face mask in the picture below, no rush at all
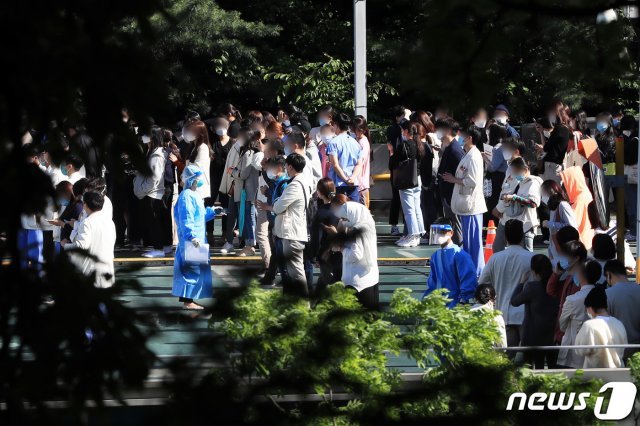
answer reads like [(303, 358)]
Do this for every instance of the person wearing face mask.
[(325, 116), (450, 267), (623, 299), (555, 139), (150, 189), (573, 313), (560, 213), (73, 165), (629, 131), (329, 261), (606, 137), (296, 144), (495, 166), (561, 282), (361, 132), (70, 209), (221, 144), (345, 157), (291, 228), (511, 149), (602, 328), (479, 121), (228, 187), (467, 200), (246, 185), (409, 155), (191, 281), (97, 236), (450, 156), (501, 117), (522, 202), (356, 236), (540, 313)]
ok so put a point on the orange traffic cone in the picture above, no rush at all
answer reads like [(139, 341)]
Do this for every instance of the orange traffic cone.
[(488, 245)]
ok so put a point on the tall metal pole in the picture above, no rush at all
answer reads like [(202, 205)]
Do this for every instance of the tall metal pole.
[(360, 55), (638, 209)]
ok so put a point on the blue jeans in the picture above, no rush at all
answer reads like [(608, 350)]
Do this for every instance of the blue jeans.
[(412, 210), (352, 192), (250, 223)]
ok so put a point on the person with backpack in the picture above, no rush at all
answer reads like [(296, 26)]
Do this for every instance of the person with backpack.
[(291, 229)]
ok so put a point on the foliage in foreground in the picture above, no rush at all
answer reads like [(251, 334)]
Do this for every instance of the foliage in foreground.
[(336, 354)]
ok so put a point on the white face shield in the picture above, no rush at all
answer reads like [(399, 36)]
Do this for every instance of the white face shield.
[(439, 234)]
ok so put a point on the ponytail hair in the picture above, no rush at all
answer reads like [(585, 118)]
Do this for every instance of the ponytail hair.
[(339, 200), (327, 188)]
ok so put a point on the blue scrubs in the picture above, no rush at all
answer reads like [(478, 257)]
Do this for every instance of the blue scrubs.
[(453, 269), (191, 281), (472, 239)]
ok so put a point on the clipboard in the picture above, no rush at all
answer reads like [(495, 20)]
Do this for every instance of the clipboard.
[(196, 255)]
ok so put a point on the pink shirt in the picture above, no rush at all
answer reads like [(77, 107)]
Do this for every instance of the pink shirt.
[(324, 160), (365, 177)]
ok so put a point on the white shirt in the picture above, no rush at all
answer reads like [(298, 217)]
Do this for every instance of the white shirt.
[(468, 198), (291, 211), (74, 177), (55, 174), (505, 271), (602, 331), (573, 315), (97, 235)]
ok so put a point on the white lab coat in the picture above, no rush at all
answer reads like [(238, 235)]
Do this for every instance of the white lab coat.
[(96, 235)]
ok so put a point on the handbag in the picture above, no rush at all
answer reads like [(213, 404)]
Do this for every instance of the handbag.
[(487, 187), (405, 175), (196, 255), (631, 172)]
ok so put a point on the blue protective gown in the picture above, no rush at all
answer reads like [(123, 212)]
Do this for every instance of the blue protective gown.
[(191, 281), (453, 269)]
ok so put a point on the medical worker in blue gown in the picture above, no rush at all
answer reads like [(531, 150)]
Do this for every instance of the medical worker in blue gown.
[(191, 281), (451, 266)]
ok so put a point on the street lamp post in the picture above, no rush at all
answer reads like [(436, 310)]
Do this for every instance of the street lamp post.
[(360, 56)]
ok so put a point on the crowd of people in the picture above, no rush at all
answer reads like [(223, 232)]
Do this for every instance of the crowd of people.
[(301, 195)]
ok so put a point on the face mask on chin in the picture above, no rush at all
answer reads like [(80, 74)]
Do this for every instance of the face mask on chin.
[(546, 133), (480, 123)]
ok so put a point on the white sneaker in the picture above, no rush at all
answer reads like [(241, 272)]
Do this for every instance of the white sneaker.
[(168, 250), (153, 253), (395, 231), (411, 241), (226, 248), (247, 251), (630, 237), (402, 240)]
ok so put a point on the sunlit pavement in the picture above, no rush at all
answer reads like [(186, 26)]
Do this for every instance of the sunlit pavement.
[(179, 329)]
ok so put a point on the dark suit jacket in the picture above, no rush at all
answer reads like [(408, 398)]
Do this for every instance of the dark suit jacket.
[(540, 313)]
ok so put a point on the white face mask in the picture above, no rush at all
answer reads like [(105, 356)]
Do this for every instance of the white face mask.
[(188, 136), (501, 120), (146, 139), (221, 131), (439, 134), (546, 133), (552, 118), (441, 239), (507, 155), (545, 199), (271, 175), (286, 123), (480, 123), (627, 133)]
